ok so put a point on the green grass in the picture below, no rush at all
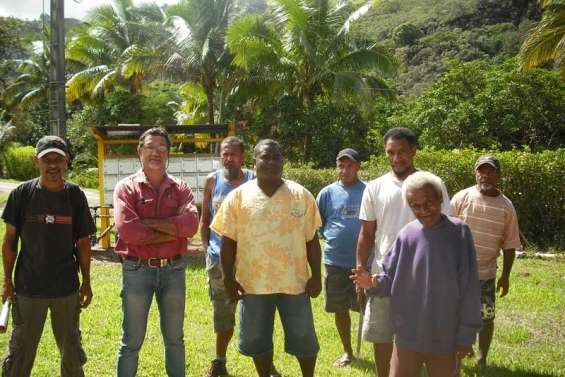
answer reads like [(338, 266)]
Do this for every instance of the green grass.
[(529, 339)]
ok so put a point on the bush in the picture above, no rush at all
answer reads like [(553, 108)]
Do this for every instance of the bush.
[(481, 105), (85, 178), (533, 181), (18, 162)]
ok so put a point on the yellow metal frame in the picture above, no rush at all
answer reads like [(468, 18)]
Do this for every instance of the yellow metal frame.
[(101, 143)]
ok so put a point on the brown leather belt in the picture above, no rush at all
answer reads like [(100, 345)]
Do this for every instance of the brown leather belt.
[(154, 262)]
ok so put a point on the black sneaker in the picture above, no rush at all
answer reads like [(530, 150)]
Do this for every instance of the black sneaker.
[(217, 369)]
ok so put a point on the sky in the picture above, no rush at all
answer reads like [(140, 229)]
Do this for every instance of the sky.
[(31, 9)]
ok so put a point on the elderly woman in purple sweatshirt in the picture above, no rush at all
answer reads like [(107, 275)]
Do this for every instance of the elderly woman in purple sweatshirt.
[(431, 275)]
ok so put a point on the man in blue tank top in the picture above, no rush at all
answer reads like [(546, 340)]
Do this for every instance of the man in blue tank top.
[(218, 185)]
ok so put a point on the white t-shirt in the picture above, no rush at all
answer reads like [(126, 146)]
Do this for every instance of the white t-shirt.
[(382, 202)]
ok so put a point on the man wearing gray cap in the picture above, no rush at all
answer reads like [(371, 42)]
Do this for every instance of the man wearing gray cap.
[(494, 225), (51, 218), (339, 205)]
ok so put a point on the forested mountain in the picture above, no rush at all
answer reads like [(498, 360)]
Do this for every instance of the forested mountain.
[(427, 34)]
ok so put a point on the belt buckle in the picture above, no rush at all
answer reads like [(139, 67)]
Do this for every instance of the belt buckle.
[(163, 262)]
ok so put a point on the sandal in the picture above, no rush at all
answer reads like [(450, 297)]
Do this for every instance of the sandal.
[(343, 361)]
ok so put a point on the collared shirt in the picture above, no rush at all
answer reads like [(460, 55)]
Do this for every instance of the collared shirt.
[(494, 225), (135, 199), (271, 235)]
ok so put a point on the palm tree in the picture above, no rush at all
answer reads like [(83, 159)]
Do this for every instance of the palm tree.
[(117, 45), (31, 87), (305, 49), (546, 41), (199, 30)]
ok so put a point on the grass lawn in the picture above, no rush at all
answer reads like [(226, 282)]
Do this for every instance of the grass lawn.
[(529, 339)]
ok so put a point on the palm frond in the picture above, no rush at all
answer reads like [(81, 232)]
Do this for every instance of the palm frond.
[(355, 16), (546, 41), (376, 59), (105, 83)]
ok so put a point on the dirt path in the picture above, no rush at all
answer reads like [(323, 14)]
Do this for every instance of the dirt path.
[(91, 195)]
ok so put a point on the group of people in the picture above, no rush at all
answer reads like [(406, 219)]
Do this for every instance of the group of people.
[(423, 279)]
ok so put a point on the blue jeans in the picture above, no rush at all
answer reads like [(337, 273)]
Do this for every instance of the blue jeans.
[(139, 284)]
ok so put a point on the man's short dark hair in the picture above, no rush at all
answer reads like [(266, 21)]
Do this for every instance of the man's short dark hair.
[(399, 133), (270, 143), (155, 131), (235, 141)]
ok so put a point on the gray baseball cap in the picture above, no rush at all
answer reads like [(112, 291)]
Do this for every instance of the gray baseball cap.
[(51, 143), (488, 160), (349, 153)]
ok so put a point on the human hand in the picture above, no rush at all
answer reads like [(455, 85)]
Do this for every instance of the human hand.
[(503, 285), (85, 295), (160, 225), (8, 292), (362, 278), (233, 288), (314, 287)]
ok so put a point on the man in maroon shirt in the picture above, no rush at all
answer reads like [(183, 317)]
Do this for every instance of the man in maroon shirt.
[(155, 214)]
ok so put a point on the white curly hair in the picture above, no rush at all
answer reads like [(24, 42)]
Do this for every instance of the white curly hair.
[(419, 180)]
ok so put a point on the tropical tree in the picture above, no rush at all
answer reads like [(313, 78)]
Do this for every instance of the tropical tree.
[(118, 45), (31, 87), (546, 41), (200, 55), (305, 48)]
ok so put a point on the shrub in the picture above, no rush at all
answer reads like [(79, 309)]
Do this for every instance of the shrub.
[(85, 178), (18, 162), (533, 181)]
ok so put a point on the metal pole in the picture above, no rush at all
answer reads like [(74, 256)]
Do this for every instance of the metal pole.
[(57, 110)]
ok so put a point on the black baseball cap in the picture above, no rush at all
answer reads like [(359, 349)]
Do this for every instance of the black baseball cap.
[(51, 143), (488, 160), (349, 153)]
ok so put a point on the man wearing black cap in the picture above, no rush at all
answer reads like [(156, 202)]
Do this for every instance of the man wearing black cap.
[(51, 218), (339, 205), (494, 225)]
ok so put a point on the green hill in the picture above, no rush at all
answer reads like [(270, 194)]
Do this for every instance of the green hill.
[(427, 34)]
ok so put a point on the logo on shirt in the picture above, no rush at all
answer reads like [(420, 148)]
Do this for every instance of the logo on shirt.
[(350, 212)]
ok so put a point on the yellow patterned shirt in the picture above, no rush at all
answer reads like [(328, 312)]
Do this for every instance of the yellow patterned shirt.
[(271, 235)]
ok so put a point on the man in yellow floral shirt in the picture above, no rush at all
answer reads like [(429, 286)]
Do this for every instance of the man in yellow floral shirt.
[(268, 228)]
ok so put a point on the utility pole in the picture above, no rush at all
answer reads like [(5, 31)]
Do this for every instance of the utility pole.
[(57, 109)]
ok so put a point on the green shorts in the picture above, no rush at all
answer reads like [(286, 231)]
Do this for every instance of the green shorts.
[(340, 290), (224, 306), (488, 294)]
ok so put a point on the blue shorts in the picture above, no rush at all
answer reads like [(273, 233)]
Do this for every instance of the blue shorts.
[(256, 321)]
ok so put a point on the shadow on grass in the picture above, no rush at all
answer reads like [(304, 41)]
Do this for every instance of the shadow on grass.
[(496, 371), (364, 365)]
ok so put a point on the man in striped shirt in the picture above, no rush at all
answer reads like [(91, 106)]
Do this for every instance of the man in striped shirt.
[(494, 225)]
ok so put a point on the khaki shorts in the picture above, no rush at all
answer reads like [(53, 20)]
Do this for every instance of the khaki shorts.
[(224, 306), (377, 325)]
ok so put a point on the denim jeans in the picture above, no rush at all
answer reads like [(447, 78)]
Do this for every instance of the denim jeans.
[(256, 320), (139, 284)]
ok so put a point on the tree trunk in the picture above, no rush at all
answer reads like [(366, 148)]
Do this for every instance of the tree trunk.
[(308, 128), (210, 101)]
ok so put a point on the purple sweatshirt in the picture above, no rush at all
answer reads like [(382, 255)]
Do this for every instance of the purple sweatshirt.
[(431, 276)]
